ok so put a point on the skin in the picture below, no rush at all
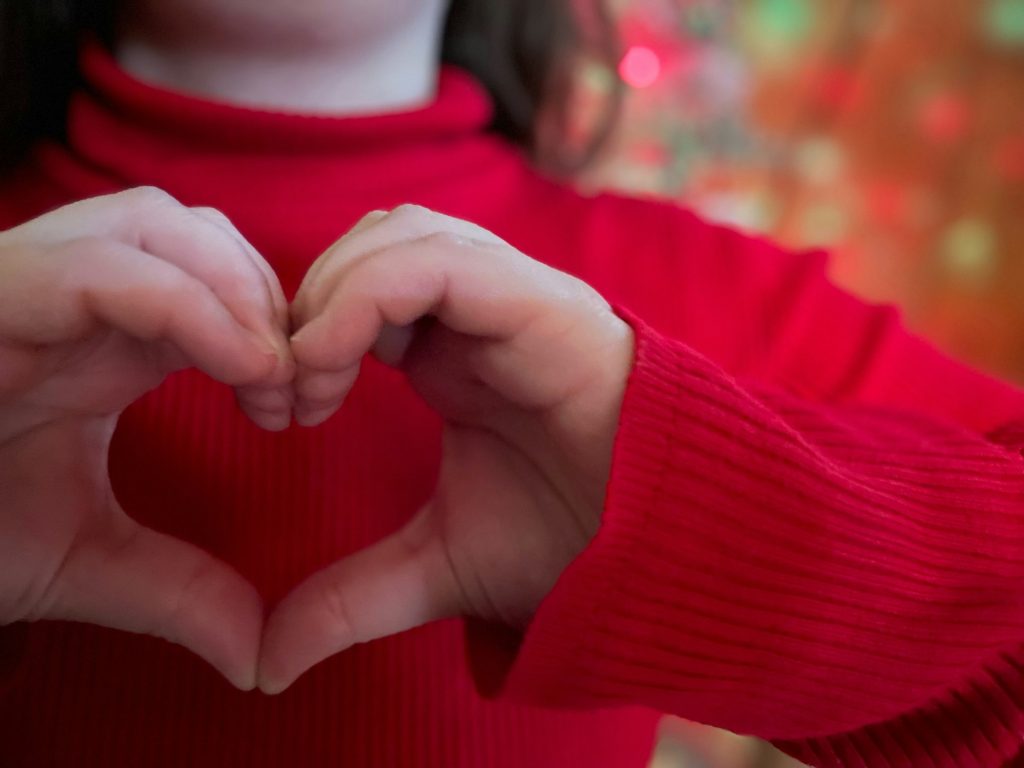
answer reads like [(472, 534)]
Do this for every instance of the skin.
[(314, 56), (526, 365), (100, 300)]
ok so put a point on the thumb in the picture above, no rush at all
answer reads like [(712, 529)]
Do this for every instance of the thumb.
[(399, 583), (131, 578)]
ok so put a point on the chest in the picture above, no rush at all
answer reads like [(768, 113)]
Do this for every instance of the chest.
[(276, 506)]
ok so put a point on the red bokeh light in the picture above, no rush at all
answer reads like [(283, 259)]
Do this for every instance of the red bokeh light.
[(640, 67), (945, 118)]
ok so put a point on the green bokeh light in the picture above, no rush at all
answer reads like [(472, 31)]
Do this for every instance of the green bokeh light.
[(1004, 21), (788, 20), (775, 28), (969, 250)]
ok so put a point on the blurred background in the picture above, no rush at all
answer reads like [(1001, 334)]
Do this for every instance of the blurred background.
[(889, 132)]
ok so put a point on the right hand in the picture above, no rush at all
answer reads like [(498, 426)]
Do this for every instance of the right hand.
[(99, 302)]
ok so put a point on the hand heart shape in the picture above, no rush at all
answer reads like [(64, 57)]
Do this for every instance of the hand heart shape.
[(102, 299)]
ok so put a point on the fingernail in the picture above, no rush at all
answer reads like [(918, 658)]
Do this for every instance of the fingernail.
[(279, 348), (311, 417), (268, 685), (275, 422), (298, 335), (393, 343), (243, 683), (271, 689)]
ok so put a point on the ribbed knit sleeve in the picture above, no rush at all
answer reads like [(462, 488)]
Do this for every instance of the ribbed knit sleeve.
[(841, 577)]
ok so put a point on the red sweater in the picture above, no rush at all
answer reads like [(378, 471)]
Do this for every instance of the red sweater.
[(814, 529)]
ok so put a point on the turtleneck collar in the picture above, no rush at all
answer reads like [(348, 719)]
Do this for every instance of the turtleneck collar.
[(461, 107), (133, 133), (293, 183)]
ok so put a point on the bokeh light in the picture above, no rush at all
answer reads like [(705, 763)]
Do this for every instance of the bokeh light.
[(890, 132), (640, 67)]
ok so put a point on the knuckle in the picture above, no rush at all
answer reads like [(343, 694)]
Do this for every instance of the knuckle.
[(372, 216), (87, 247), (411, 211), (215, 214), (147, 197), (182, 603), (446, 241), (338, 610)]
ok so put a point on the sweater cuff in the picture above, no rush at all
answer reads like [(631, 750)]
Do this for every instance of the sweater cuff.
[(566, 658), (577, 644), (750, 557)]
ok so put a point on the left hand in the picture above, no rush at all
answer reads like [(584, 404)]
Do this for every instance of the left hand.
[(527, 366)]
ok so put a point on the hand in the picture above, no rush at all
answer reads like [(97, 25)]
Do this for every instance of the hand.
[(526, 365), (99, 301)]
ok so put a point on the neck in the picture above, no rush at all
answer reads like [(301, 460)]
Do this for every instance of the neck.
[(389, 73)]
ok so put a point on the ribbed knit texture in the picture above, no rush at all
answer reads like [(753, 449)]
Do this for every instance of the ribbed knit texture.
[(814, 529), (793, 570)]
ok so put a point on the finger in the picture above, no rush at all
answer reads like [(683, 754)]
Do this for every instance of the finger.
[(63, 294), (471, 287), (393, 344), (271, 280), (131, 578), (216, 258), (151, 220), (270, 407), (474, 288), (328, 257), (376, 231), (399, 583), (322, 393)]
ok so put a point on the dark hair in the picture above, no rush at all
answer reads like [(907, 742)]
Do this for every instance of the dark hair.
[(523, 51)]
